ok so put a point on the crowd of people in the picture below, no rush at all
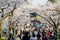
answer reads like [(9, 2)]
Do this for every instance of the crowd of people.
[(34, 34)]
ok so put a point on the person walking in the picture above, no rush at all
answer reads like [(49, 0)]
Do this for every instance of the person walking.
[(38, 36), (26, 37), (55, 36), (33, 37), (48, 35), (10, 37), (44, 35), (18, 38)]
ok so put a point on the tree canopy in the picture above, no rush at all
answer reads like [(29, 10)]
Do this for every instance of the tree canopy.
[(52, 0)]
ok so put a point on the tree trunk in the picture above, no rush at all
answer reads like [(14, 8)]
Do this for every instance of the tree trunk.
[(55, 29), (0, 35), (59, 34)]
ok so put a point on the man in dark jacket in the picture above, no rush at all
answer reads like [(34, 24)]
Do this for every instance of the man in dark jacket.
[(26, 37), (10, 37)]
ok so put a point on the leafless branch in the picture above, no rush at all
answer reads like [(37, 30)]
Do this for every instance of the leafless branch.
[(46, 20), (51, 20)]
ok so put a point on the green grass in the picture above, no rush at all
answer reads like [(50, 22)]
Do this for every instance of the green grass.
[(3, 38)]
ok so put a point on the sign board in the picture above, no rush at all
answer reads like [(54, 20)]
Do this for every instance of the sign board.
[(38, 17)]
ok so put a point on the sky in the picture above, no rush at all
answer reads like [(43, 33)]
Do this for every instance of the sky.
[(36, 3), (42, 2)]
